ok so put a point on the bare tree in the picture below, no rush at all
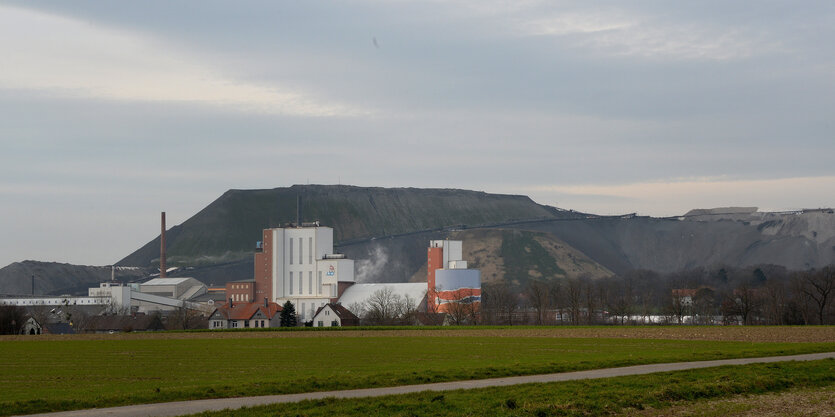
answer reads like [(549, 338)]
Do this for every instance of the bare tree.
[(704, 305), (538, 298), (462, 309), (747, 302), (383, 307), (818, 286), (11, 319), (185, 318), (501, 303), (573, 297), (620, 301), (554, 296)]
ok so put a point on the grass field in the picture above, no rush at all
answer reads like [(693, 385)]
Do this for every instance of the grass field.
[(58, 373), (665, 394)]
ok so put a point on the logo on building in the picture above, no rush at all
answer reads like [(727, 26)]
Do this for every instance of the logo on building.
[(331, 271)]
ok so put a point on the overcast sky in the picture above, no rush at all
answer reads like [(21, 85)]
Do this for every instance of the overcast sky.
[(111, 112)]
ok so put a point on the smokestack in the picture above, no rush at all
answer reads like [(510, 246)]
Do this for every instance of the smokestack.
[(162, 267)]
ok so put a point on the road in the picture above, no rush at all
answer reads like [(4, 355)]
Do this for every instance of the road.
[(189, 407)]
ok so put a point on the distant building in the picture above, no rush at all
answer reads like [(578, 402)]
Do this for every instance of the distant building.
[(180, 288), (31, 326), (450, 281), (334, 315), (234, 315), (297, 264)]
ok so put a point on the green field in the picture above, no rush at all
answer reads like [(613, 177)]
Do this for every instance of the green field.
[(644, 395), (72, 373)]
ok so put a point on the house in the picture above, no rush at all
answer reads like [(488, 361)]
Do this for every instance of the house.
[(31, 326), (234, 315), (684, 296), (334, 315)]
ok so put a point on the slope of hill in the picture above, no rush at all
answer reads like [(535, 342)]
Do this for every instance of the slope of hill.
[(227, 229), (59, 278), (797, 241), (386, 231), (516, 256)]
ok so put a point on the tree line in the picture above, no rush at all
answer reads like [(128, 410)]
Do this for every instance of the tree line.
[(764, 294)]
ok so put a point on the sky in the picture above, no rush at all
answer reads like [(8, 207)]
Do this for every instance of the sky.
[(111, 112)]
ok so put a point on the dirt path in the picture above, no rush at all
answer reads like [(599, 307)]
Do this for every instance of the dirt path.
[(197, 406)]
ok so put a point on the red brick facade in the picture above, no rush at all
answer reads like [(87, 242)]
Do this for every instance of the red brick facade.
[(435, 260), (264, 268), (241, 292)]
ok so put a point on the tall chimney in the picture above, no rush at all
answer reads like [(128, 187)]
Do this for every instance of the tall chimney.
[(162, 247)]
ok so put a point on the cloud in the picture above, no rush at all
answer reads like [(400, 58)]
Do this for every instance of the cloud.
[(71, 58), (677, 196), (615, 31)]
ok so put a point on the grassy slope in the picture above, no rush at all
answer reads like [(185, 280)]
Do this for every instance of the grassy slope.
[(611, 396), (228, 228), (515, 257), (69, 374)]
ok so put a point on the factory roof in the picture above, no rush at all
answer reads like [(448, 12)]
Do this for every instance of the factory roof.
[(169, 281), (165, 281), (359, 293)]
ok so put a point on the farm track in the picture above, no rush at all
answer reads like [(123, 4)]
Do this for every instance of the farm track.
[(807, 334)]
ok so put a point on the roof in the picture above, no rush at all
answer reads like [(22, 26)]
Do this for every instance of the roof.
[(167, 281), (58, 328), (137, 322), (340, 311), (245, 311), (359, 293), (684, 292)]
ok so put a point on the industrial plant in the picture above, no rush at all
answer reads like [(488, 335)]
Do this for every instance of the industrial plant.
[(294, 264)]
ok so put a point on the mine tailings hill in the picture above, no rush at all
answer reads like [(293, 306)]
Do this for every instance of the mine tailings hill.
[(509, 237), (59, 278), (227, 229)]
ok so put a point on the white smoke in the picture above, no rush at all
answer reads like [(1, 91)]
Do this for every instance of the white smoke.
[(371, 268)]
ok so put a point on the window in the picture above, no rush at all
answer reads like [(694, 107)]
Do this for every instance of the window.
[(246, 323), (301, 281), (300, 251), (319, 284), (320, 324), (234, 323), (310, 250), (301, 312), (334, 323), (262, 323), (291, 251), (309, 282), (291, 282)]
